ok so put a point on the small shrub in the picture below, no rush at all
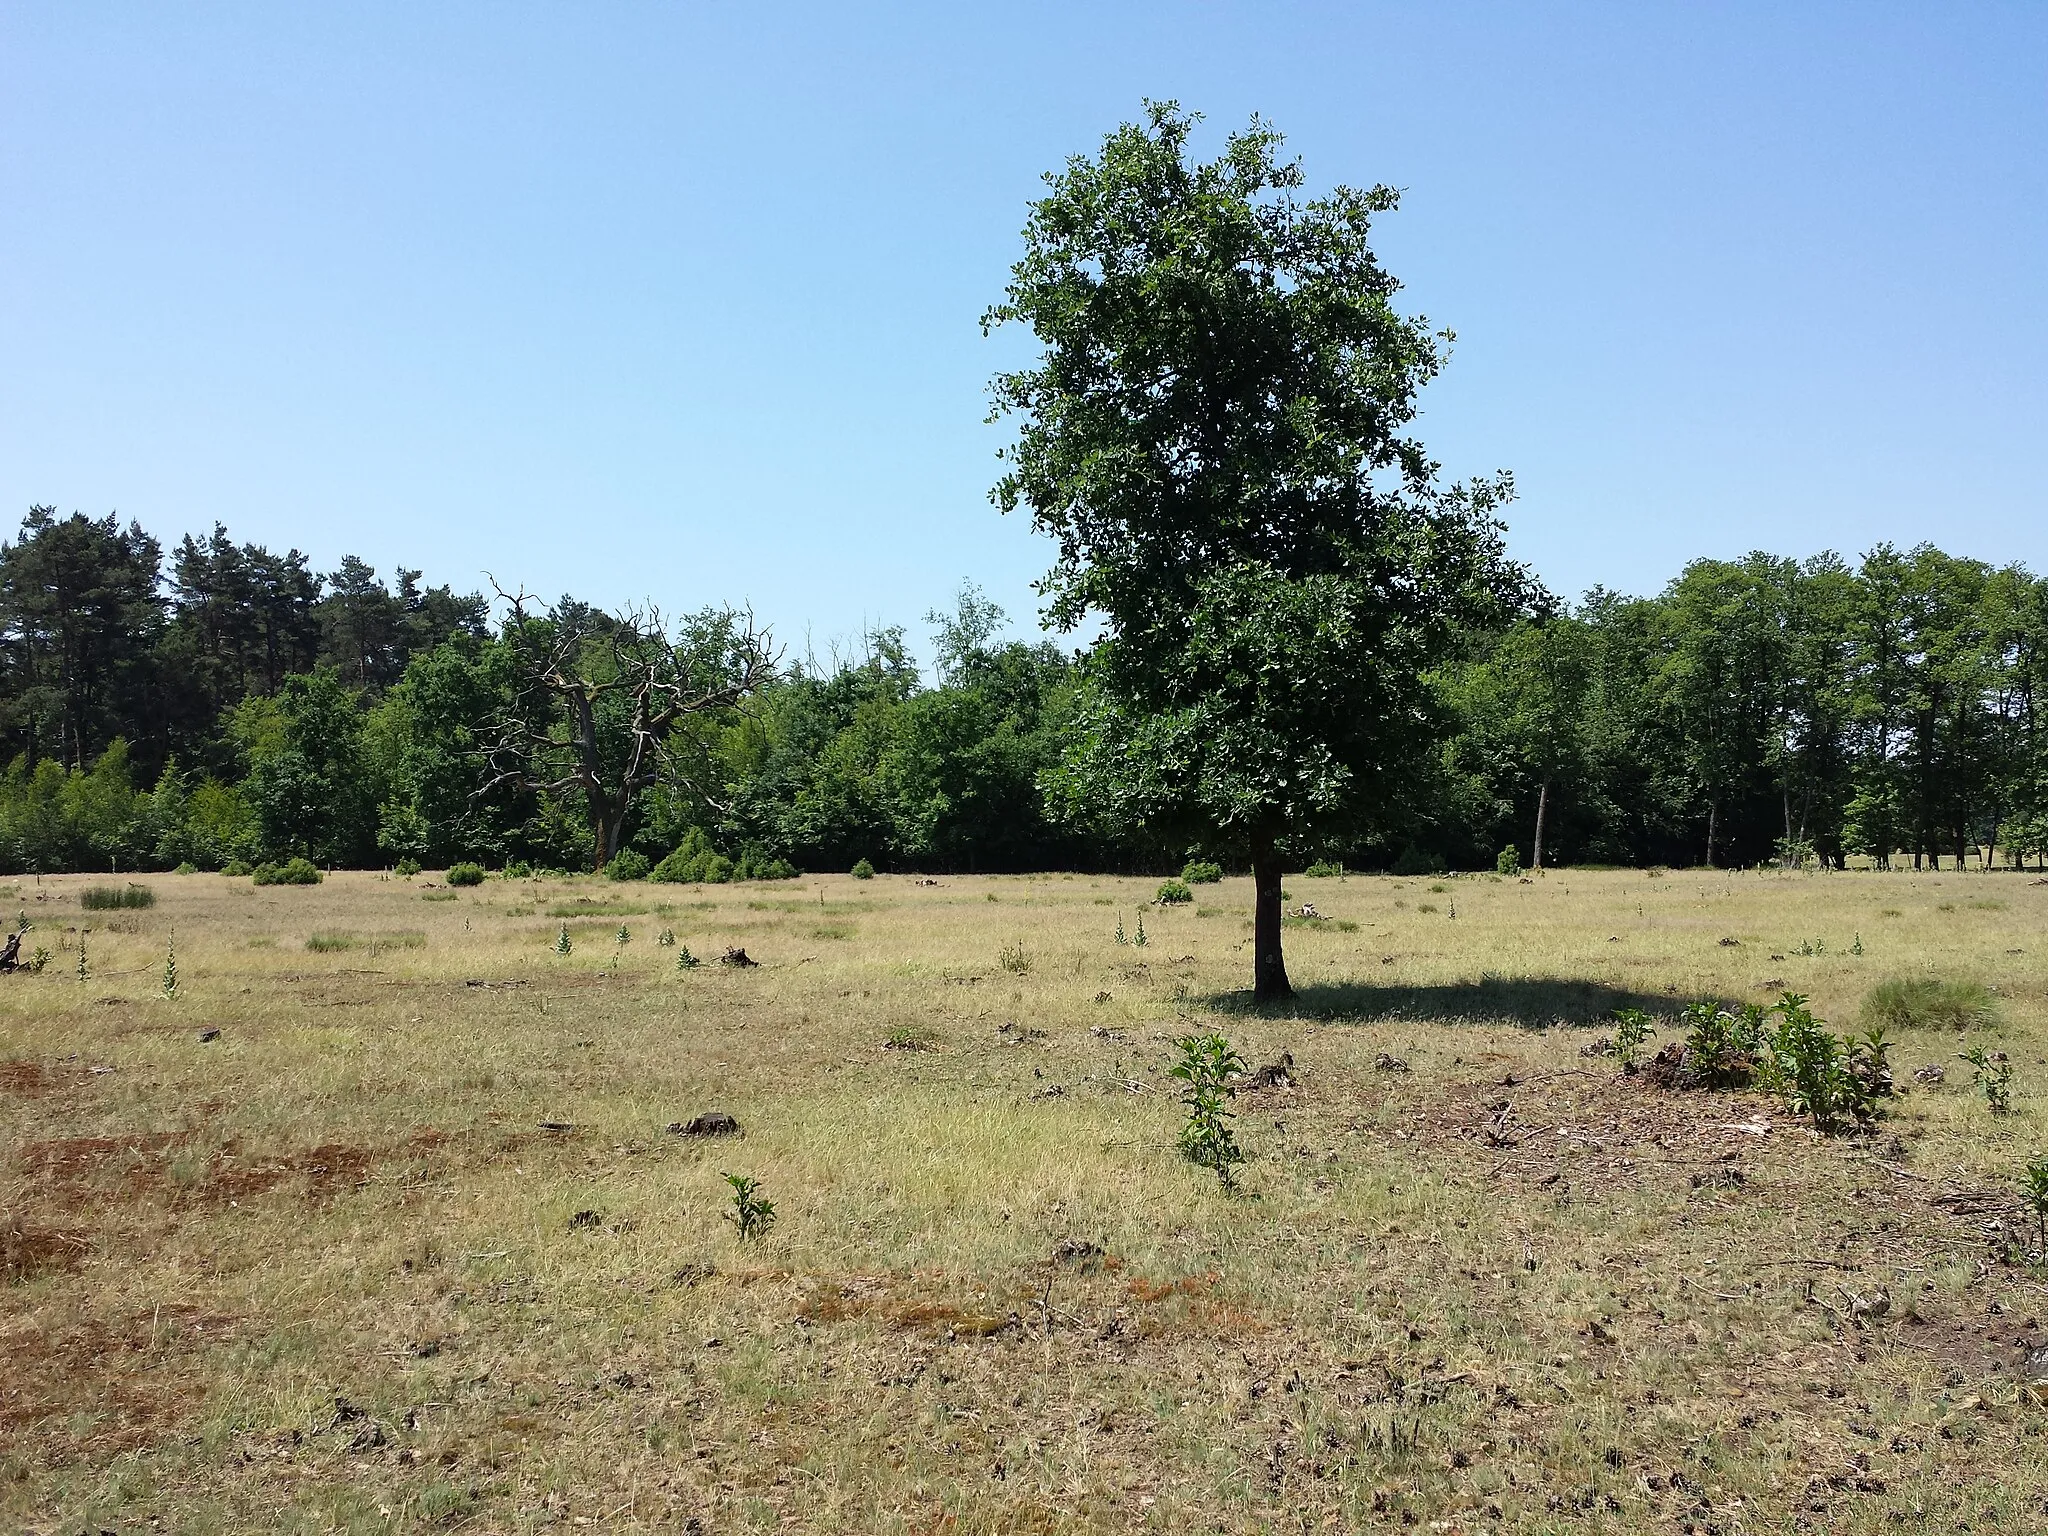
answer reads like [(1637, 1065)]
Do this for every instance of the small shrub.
[(2034, 1190), (112, 898), (751, 1214), (186, 868), (1508, 861), (407, 867), (39, 959), (1632, 1027), (1201, 872), (292, 872), (1823, 1076), (909, 1037), (755, 865), (1930, 1002), (237, 869), (685, 961), (1205, 1066), (1994, 1077), (562, 944), (1324, 869), (466, 874), (1015, 959), (863, 870), (626, 864), (1174, 893)]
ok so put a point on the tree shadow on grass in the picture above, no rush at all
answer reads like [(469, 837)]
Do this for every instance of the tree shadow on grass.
[(1528, 1002)]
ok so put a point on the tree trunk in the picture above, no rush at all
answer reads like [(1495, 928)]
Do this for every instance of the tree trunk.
[(1542, 807), (1269, 966), (1713, 816)]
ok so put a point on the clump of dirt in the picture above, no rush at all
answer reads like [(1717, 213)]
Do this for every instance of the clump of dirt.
[(1676, 1069)]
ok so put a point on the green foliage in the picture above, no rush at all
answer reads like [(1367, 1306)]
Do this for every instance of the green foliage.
[(562, 944), (170, 979), (408, 867), (2034, 1190), (1325, 869), (863, 870), (1632, 1027), (1508, 861), (628, 864), (1174, 893), (112, 898), (294, 871), (1827, 1077), (1930, 1002), (1993, 1071), (1015, 959), (685, 961), (39, 960), (694, 862), (312, 784), (752, 1214), (465, 874), (1204, 1067), (1201, 872), (237, 869), (1418, 861), (666, 939), (1212, 434)]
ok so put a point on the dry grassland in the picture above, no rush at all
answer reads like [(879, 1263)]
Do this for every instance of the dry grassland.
[(329, 1272)]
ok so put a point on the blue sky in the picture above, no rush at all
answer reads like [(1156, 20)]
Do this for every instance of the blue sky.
[(680, 301)]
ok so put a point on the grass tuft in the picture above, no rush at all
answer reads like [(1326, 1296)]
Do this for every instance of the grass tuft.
[(1930, 1002)]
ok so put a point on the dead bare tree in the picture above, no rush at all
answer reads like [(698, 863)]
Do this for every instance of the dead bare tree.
[(602, 704)]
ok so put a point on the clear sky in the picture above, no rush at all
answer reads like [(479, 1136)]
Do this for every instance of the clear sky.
[(680, 301)]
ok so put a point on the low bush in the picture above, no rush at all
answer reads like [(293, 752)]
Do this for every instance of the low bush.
[(1930, 1002), (473, 874), (694, 862), (406, 867), (186, 868), (238, 868), (1508, 861), (518, 869), (863, 870), (291, 872), (755, 865), (112, 898), (626, 864), (1324, 869), (1174, 893), (1418, 861), (1201, 872)]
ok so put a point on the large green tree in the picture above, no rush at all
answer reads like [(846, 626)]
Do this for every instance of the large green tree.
[(1215, 434)]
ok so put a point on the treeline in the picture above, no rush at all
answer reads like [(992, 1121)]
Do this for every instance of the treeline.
[(230, 704)]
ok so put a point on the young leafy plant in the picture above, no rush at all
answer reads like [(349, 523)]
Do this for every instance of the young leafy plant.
[(1994, 1077), (1632, 1027), (1204, 1067), (752, 1214), (2034, 1190), (562, 945)]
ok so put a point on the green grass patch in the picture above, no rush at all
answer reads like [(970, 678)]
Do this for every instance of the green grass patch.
[(112, 898), (591, 907), (328, 943), (1931, 1002)]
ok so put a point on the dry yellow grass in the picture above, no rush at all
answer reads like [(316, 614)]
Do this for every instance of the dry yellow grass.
[(328, 1272)]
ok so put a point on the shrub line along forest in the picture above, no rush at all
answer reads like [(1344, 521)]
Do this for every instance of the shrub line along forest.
[(236, 707)]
